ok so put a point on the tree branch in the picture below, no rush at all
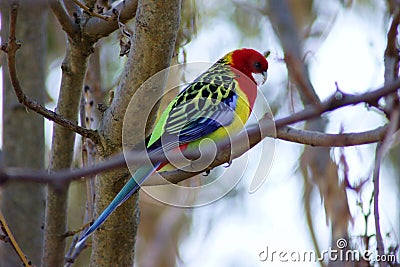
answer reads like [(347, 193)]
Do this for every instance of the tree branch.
[(13, 242), (391, 59), (381, 150), (124, 11), (73, 67), (65, 20), (314, 138), (91, 12), (285, 27), (10, 49), (62, 178), (337, 100), (379, 241)]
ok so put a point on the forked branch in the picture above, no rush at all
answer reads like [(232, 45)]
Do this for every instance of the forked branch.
[(10, 49)]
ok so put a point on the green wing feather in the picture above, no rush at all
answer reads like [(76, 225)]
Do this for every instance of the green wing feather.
[(203, 106)]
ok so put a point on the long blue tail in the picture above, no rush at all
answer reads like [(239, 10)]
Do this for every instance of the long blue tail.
[(131, 187)]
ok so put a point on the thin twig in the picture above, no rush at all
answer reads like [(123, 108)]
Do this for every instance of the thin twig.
[(74, 252), (379, 241), (90, 11), (13, 242), (381, 150), (79, 230), (88, 149), (69, 260), (4, 238), (88, 159), (68, 255), (391, 59), (10, 49), (309, 216)]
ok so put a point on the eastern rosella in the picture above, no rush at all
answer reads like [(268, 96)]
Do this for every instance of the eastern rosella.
[(215, 105)]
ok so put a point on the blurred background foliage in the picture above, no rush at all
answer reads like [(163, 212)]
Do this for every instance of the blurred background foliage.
[(214, 235)]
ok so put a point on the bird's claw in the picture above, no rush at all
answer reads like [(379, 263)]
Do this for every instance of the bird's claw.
[(206, 173), (229, 163)]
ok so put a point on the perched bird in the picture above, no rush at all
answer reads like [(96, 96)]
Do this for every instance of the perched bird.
[(215, 105)]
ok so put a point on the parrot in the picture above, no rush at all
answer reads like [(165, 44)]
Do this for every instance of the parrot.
[(215, 105)]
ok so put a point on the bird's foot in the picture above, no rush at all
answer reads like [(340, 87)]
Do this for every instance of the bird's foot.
[(206, 173), (228, 164)]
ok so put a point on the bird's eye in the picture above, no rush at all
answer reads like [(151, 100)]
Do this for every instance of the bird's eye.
[(257, 65)]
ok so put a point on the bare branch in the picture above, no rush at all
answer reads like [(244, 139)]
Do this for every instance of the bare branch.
[(74, 67), (391, 51), (65, 20), (123, 12), (91, 12), (13, 242), (392, 59), (379, 242), (62, 178), (72, 255), (88, 159), (338, 100), (10, 49), (381, 151), (73, 252), (285, 27), (314, 138)]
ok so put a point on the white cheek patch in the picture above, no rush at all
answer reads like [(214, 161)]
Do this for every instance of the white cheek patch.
[(259, 78)]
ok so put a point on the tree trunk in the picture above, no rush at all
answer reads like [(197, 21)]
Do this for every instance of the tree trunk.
[(23, 134), (153, 42)]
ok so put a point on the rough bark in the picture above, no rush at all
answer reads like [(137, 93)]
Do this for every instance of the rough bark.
[(23, 135), (153, 42), (79, 47)]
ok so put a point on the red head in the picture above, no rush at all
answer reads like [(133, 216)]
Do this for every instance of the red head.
[(249, 62), (253, 65)]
